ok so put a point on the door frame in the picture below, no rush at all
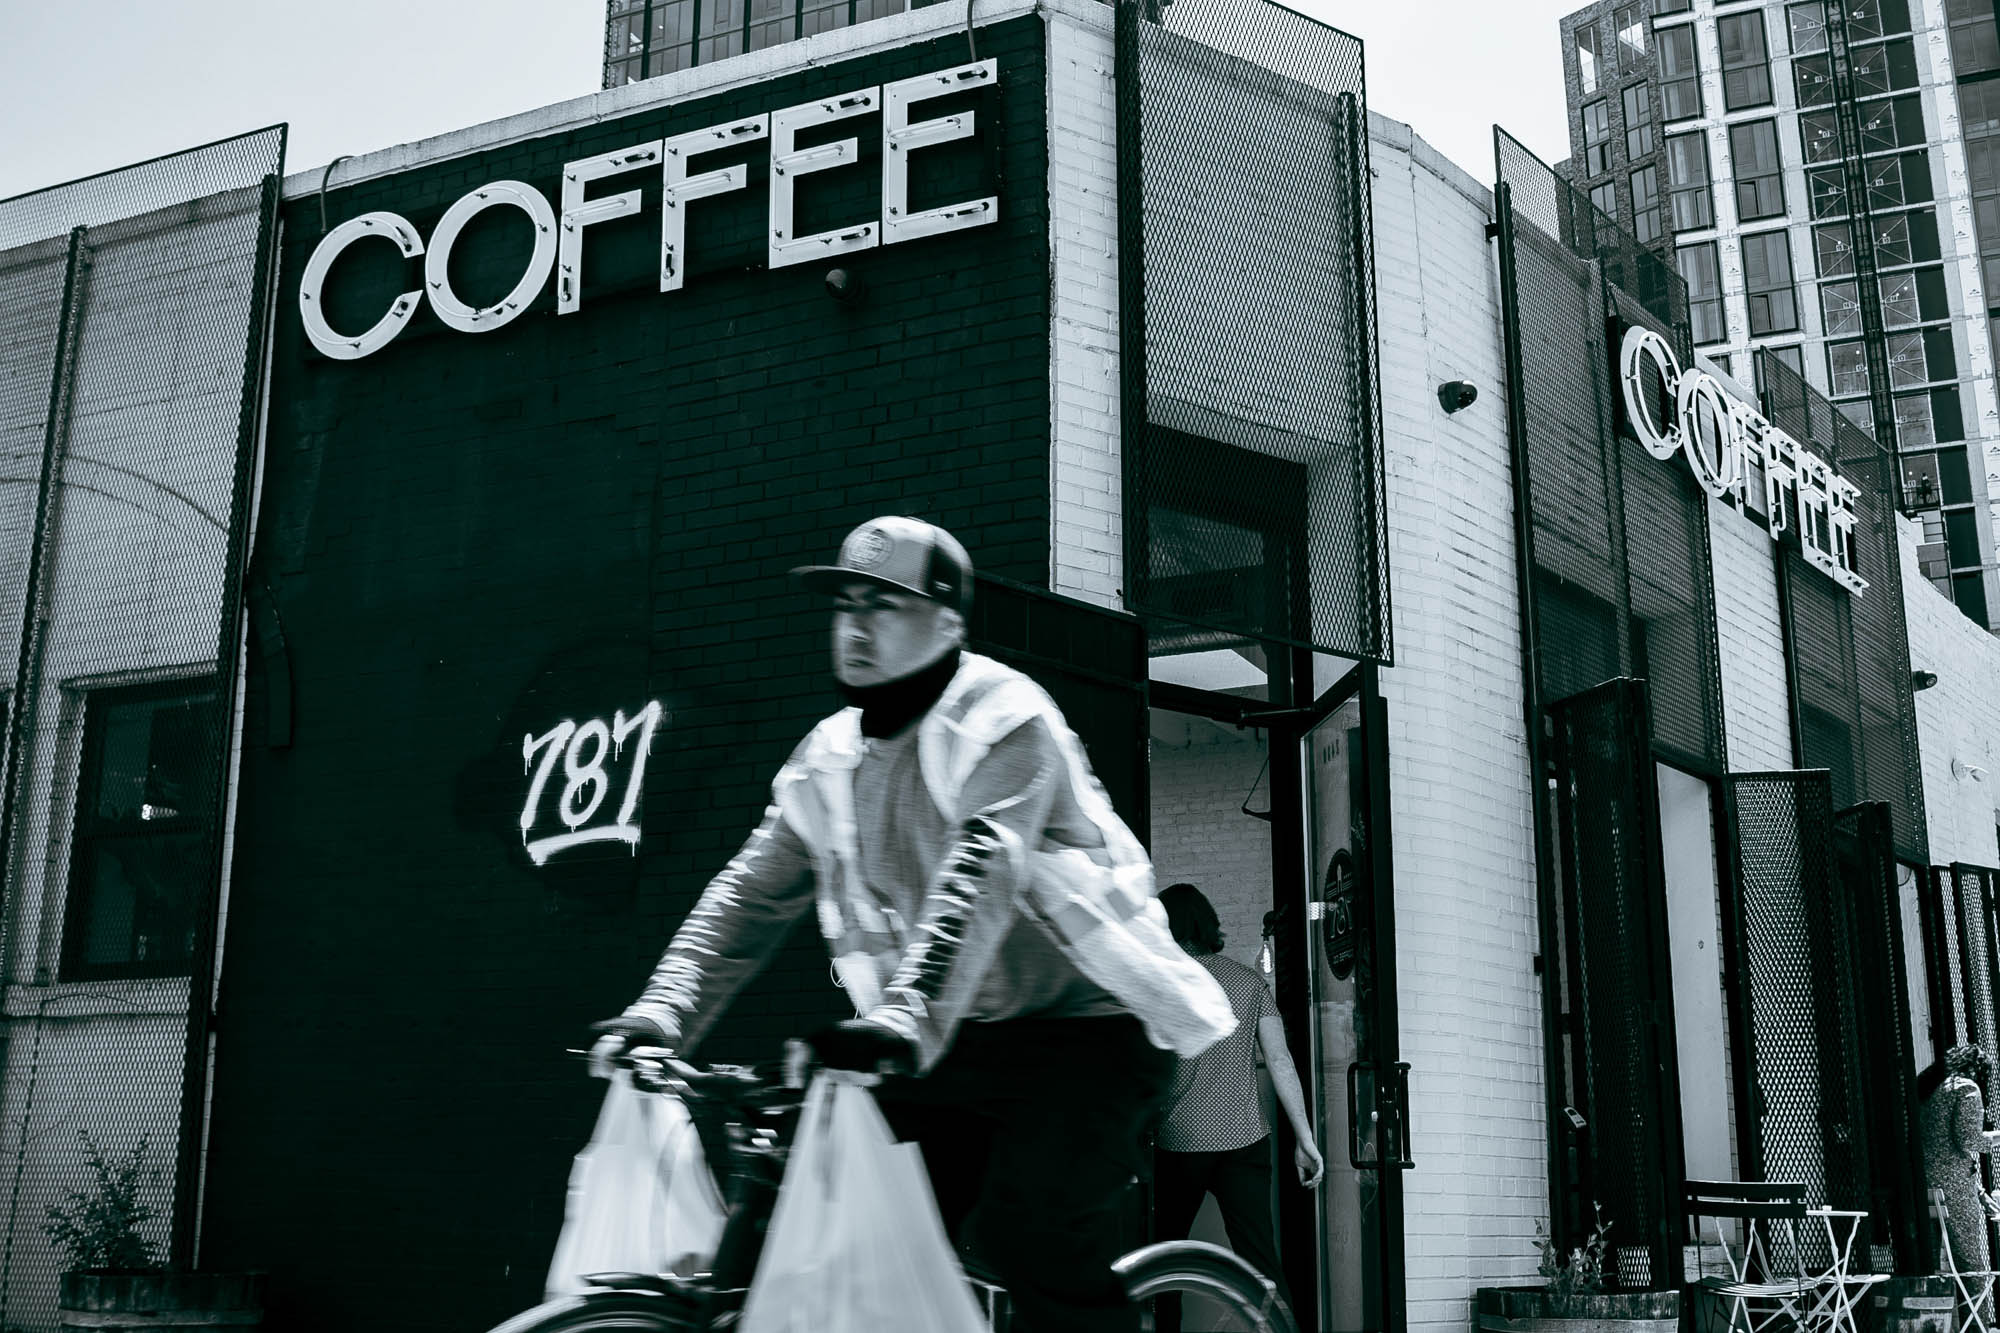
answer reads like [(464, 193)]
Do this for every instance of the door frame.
[(1288, 722)]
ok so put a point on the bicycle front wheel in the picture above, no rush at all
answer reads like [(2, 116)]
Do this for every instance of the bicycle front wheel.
[(1216, 1289), (606, 1312)]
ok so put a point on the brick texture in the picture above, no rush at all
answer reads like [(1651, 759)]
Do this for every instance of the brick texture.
[(1466, 932), (472, 538)]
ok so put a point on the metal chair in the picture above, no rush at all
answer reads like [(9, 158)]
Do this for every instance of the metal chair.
[(1838, 1289), (1755, 1227), (1974, 1289)]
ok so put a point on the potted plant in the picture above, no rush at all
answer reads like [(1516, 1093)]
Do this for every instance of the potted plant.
[(1572, 1298), (115, 1278)]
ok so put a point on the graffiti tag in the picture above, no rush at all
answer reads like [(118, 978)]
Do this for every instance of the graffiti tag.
[(586, 751)]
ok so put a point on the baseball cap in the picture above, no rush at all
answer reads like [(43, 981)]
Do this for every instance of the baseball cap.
[(898, 552)]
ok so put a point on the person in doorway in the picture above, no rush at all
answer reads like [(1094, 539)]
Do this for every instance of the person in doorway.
[(992, 919), (1955, 1134), (1216, 1138)]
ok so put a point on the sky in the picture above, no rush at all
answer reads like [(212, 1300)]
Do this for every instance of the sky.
[(85, 89)]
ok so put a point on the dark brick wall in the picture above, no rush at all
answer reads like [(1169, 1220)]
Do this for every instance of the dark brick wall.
[(467, 539)]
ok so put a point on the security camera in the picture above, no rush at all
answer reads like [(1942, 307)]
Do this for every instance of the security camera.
[(1455, 394), (843, 285)]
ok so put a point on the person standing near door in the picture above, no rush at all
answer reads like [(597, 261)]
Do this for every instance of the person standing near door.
[(1955, 1135), (1216, 1138)]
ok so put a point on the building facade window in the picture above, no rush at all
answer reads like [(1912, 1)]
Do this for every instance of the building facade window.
[(1687, 182), (1897, 122), (1604, 198), (1840, 309), (1889, 67), (1760, 177), (1975, 44), (1638, 101), (1647, 226), (142, 851), (1746, 64), (1702, 272), (1979, 115), (1847, 369), (1680, 74), (1833, 248), (1584, 39), (1660, 7), (1630, 23), (1596, 137), (1767, 281), (1793, 356)]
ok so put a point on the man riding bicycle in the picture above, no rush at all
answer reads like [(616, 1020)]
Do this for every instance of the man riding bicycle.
[(989, 915)]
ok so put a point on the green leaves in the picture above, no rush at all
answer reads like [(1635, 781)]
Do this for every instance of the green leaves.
[(98, 1228)]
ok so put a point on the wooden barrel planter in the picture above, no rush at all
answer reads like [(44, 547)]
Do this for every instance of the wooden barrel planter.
[(1914, 1305), (1534, 1310), (181, 1302)]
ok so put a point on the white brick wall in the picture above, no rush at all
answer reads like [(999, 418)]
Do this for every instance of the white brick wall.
[(1757, 710), (1202, 772), (1086, 531), (1464, 848), (1958, 718)]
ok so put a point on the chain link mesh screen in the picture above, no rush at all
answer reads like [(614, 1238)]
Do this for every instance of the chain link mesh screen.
[(1850, 655), (1865, 858), (1978, 958), (135, 306), (1252, 431), (1623, 579), (1620, 1012), (1797, 987)]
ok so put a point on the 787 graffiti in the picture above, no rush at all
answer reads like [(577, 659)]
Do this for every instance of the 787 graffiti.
[(582, 801)]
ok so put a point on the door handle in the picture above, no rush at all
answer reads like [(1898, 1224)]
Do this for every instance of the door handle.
[(1361, 1147)]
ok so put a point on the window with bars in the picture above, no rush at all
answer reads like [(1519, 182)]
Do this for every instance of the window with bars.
[(1647, 226), (141, 852), (1819, 136), (1701, 270), (1760, 177), (1833, 248), (1888, 125), (1638, 100), (1885, 68), (1680, 74), (1975, 45), (1846, 369), (1596, 137), (1630, 23), (1585, 40), (1688, 195), (1807, 22), (1767, 283), (1746, 63), (1840, 309)]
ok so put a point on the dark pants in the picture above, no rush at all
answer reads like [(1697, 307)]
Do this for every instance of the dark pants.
[(1240, 1180), (1031, 1131)]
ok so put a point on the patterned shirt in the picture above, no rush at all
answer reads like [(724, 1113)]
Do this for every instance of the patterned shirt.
[(1216, 1103)]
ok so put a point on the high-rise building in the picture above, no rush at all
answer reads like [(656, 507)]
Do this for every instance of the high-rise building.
[(647, 38), (1827, 177)]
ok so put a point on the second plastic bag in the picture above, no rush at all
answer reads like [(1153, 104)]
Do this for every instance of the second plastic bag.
[(856, 1244)]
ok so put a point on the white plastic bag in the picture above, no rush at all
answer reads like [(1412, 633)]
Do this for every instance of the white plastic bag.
[(856, 1244), (641, 1196)]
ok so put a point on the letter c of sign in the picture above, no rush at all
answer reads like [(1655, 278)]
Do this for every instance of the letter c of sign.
[(390, 226), (1639, 347)]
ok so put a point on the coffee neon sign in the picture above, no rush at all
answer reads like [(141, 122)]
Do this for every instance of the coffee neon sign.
[(558, 247), (1721, 438)]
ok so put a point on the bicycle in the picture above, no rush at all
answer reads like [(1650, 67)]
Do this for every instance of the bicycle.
[(745, 1117)]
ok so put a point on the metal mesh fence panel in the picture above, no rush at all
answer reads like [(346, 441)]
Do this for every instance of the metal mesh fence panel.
[(1620, 994), (1865, 858), (1797, 986), (1851, 655), (1252, 430), (1595, 499), (1978, 958), (123, 521)]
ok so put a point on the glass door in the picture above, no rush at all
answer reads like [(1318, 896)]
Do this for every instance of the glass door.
[(1355, 1099)]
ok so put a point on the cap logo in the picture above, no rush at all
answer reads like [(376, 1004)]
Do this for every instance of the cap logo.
[(866, 548)]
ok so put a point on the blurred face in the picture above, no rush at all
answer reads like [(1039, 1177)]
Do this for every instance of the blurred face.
[(882, 634)]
